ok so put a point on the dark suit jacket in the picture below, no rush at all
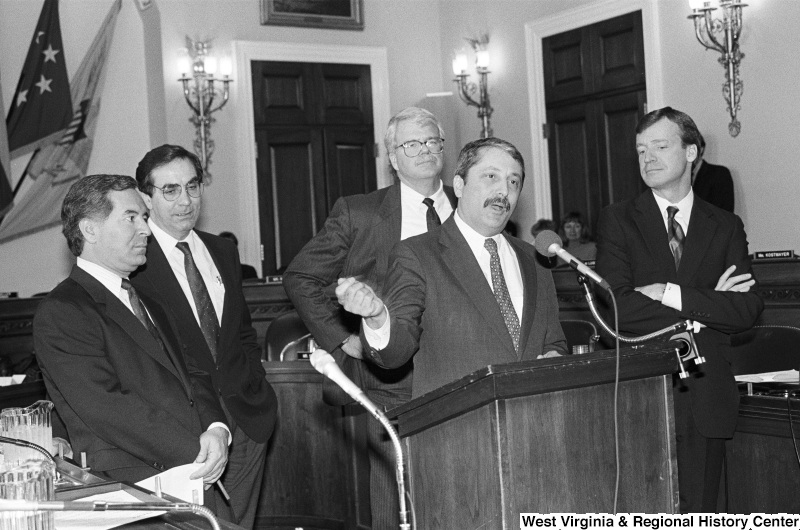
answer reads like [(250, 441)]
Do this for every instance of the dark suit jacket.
[(445, 316), (633, 251), (238, 375), (714, 184), (133, 407), (356, 241)]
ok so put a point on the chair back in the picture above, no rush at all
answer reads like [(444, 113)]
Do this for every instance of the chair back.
[(286, 337), (765, 348)]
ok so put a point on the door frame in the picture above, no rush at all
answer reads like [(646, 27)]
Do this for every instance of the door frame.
[(566, 21), (246, 51)]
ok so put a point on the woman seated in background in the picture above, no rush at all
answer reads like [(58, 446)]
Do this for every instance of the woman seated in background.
[(577, 241)]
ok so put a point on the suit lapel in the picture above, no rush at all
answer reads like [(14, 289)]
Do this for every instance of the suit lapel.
[(650, 223), (125, 319), (527, 269), (702, 227), (460, 260)]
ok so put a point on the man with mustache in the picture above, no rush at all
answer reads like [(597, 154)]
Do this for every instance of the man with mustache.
[(111, 358), (356, 241), (670, 256), (465, 296), (198, 276)]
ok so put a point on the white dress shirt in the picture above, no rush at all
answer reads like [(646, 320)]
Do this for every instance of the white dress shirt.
[(204, 262), (379, 338), (672, 292), (414, 212)]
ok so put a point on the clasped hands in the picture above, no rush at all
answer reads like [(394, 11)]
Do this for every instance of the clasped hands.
[(740, 284)]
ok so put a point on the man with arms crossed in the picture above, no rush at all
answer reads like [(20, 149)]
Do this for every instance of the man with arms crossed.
[(670, 256), (112, 363), (355, 241), (198, 276), (464, 296)]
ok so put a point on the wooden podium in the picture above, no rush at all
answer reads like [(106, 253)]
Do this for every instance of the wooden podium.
[(538, 436)]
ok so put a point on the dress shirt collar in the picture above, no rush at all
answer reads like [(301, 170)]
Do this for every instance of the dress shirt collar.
[(167, 242), (109, 279), (475, 240), (684, 207), (408, 194)]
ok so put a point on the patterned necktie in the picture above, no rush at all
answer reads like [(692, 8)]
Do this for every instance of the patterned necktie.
[(501, 292), (431, 216), (139, 309), (209, 324), (676, 235)]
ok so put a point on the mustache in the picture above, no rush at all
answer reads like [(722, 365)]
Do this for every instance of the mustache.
[(500, 201)]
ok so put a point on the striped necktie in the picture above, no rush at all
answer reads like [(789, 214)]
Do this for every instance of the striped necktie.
[(209, 324), (676, 235)]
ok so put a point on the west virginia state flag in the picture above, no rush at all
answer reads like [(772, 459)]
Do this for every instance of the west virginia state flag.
[(42, 105)]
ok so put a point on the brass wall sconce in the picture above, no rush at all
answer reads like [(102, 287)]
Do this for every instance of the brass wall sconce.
[(198, 72), (722, 35), (467, 89)]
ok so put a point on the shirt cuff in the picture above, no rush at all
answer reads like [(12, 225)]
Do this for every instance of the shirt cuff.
[(220, 424), (377, 338), (672, 296)]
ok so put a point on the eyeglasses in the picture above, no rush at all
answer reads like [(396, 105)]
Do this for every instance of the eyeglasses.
[(413, 148), (172, 191)]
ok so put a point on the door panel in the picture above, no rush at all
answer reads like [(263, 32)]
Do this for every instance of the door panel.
[(619, 56), (346, 94), (349, 162), (619, 116), (283, 93), (290, 168)]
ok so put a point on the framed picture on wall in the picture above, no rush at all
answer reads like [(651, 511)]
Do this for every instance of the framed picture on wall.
[(332, 14)]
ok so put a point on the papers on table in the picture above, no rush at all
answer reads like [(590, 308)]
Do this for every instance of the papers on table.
[(176, 482), (783, 376)]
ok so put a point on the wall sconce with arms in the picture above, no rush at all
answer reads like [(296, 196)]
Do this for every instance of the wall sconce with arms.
[(467, 89), (198, 70), (722, 35)]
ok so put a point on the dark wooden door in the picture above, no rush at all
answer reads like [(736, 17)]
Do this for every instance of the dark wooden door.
[(316, 143), (595, 94)]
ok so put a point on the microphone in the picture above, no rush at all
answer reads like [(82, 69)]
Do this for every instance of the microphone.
[(549, 244), (324, 363)]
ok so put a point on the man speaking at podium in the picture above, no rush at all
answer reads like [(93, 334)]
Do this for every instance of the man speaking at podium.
[(464, 295), (670, 256)]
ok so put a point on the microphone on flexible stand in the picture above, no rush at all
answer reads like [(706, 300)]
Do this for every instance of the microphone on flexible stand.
[(549, 244), (324, 363)]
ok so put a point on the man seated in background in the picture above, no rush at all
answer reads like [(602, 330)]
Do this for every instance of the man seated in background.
[(111, 360), (248, 271), (711, 182), (463, 296), (355, 241), (669, 256)]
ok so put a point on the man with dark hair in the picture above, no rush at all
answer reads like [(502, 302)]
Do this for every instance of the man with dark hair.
[(669, 256), (112, 361), (464, 296), (711, 182), (355, 241), (199, 277)]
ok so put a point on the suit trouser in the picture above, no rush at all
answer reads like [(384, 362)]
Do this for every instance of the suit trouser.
[(700, 460), (242, 477)]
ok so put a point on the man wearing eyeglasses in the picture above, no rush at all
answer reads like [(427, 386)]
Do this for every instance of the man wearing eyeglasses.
[(356, 241), (198, 277)]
